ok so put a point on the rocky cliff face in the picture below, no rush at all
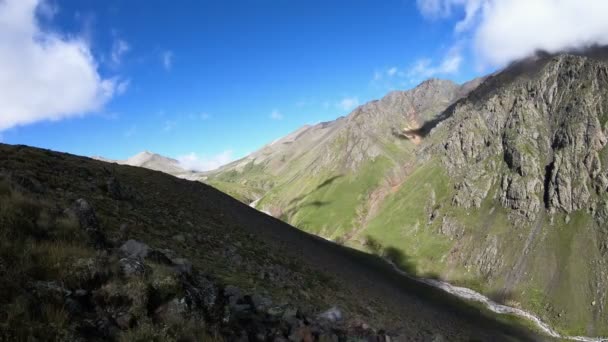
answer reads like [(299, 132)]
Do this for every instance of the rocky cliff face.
[(539, 139)]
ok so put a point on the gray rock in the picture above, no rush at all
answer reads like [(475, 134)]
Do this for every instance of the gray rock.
[(260, 303), (179, 238), (132, 267), (125, 321), (135, 249), (172, 310), (88, 222), (114, 188), (232, 291), (182, 266), (334, 314)]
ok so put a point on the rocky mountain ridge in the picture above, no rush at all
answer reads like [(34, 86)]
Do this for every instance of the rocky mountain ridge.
[(494, 185)]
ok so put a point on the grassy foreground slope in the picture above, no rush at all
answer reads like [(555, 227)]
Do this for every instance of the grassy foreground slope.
[(97, 251)]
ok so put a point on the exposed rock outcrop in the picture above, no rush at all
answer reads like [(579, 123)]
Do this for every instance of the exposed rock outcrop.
[(539, 138)]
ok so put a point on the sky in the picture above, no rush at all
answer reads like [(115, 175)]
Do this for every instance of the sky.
[(208, 82)]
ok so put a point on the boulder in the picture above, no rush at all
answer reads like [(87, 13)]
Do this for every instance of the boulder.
[(182, 266), (88, 222), (135, 249), (132, 267), (334, 314)]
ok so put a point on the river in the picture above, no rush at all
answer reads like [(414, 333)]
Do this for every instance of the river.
[(468, 294)]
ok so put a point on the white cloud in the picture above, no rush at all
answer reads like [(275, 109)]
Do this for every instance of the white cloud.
[(506, 30), (193, 161), (434, 8), (276, 115), (122, 85), (119, 48), (424, 68), (392, 71), (43, 75), (167, 59), (348, 103)]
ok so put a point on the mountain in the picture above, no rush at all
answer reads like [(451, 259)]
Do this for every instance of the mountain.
[(156, 162), (499, 185), (91, 250), (314, 154)]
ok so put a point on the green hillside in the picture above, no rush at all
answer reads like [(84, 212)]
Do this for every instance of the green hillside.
[(502, 189)]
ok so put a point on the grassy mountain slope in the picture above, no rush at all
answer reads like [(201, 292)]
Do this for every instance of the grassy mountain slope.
[(504, 190), (97, 251), (311, 175)]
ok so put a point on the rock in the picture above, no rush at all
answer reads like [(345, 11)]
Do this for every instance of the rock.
[(232, 291), (202, 293), (179, 238), (80, 293), (158, 257), (114, 189), (438, 338), (125, 321), (50, 290), (135, 249), (290, 313), (333, 314), (132, 267), (174, 309), (260, 303), (182, 266), (85, 214), (451, 228), (89, 223)]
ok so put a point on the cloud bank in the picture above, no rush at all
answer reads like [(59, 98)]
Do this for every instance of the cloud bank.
[(43, 75), (195, 162), (501, 31)]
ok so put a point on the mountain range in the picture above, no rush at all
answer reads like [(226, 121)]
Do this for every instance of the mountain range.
[(155, 162), (499, 184)]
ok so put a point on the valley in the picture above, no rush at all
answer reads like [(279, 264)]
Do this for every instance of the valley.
[(499, 189)]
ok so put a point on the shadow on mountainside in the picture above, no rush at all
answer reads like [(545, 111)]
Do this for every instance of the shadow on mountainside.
[(328, 181), (395, 255), (323, 184), (295, 205)]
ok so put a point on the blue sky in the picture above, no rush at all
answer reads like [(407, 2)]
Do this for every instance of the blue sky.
[(215, 80)]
